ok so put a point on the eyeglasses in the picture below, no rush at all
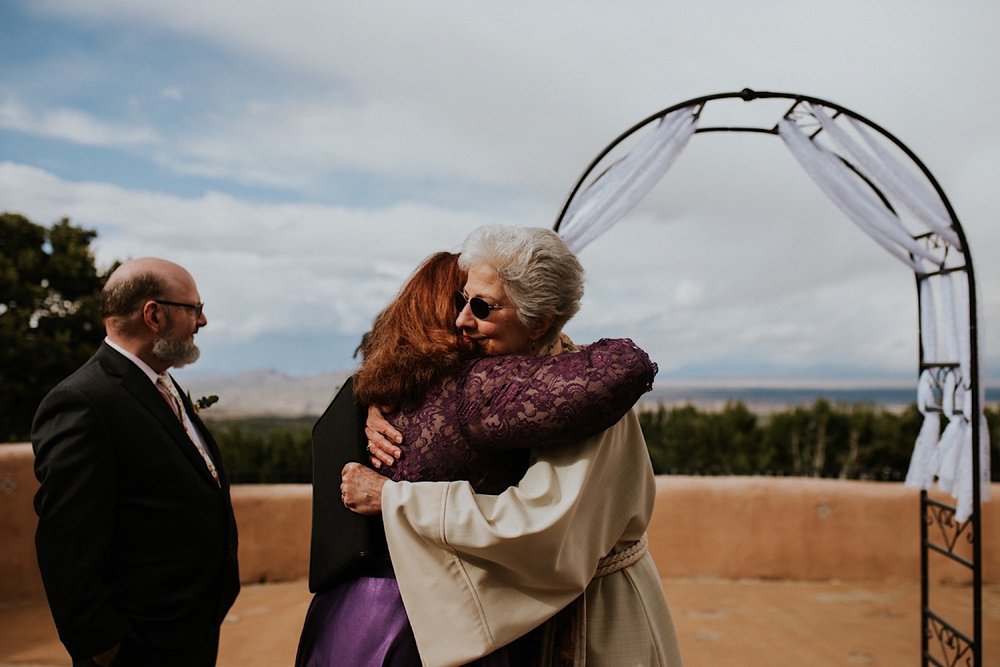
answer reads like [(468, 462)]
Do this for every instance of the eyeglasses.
[(480, 308), (198, 308)]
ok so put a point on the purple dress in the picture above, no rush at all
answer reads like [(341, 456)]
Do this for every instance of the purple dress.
[(475, 426)]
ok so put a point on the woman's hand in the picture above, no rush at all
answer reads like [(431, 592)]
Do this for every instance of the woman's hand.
[(361, 489), (382, 439)]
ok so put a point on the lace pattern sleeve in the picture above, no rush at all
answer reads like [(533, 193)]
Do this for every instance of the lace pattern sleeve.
[(517, 401)]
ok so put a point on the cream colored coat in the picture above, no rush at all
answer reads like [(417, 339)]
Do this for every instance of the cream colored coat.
[(478, 571)]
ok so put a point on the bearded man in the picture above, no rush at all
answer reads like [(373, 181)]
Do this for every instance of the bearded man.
[(136, 539)]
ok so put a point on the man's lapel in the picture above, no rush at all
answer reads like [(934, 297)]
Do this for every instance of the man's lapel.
[(145, 392), (206, 436)]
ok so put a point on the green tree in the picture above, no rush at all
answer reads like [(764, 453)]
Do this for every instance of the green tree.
[(857, 441), (674, 438), (736, 440), (50, 319)]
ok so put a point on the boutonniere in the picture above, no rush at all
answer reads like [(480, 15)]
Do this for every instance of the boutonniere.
[(203, 402)]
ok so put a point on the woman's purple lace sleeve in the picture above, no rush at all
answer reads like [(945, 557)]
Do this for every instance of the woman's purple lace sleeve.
[(516, 401)]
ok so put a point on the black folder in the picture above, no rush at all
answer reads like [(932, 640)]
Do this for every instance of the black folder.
[(342, 541)]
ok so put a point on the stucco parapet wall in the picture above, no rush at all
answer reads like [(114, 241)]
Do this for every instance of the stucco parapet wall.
[(18, 568), (727, 527), (274, 523), (802, 529)]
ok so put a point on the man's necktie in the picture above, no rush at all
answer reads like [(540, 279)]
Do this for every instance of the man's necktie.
[(173, 398)]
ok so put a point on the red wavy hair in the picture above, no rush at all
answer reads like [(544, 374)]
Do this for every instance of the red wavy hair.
[(413, 343)]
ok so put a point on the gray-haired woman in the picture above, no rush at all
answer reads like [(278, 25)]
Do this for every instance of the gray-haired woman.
[(477, 571), (469, 420)]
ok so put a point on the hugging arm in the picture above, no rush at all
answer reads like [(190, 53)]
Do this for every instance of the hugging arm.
[(551, 401), (513, 400)]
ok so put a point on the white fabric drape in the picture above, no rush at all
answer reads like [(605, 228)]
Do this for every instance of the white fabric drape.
[(921, 201), (880, 165), (946, 339), (924, 462), (945, 307), (853, 196), (606, 200)]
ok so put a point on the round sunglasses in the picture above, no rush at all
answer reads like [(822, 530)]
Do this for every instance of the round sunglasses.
[(480, 308)]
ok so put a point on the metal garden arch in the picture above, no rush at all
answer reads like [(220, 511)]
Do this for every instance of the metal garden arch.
[(888, 192)]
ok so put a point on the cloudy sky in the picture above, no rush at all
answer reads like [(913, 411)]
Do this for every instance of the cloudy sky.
[(302, 157)]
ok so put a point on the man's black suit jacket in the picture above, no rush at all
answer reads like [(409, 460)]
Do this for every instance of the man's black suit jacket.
[(135, 539)]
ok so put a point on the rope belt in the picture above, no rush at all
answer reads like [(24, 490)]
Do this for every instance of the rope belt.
[(622, 559)]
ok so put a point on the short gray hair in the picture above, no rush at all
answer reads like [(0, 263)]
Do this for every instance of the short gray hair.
[(541, 275)]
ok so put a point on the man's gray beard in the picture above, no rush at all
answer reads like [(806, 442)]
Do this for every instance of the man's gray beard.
[(176, 353)]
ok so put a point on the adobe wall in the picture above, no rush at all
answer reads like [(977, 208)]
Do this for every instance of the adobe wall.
[(726, 527), (802, 529), (18, 570)]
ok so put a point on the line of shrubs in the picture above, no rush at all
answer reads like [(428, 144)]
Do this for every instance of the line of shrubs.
[(857, 441)]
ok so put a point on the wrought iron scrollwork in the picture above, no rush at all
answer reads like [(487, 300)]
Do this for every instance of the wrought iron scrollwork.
[(955, 648), (949, 530)]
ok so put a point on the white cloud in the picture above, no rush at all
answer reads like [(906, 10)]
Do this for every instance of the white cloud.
[(496, 110), (72, 125), (518, 94), (513, 93), (264, 268)]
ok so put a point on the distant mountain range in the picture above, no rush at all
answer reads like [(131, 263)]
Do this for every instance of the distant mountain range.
[(267, 393), (272, 394)]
